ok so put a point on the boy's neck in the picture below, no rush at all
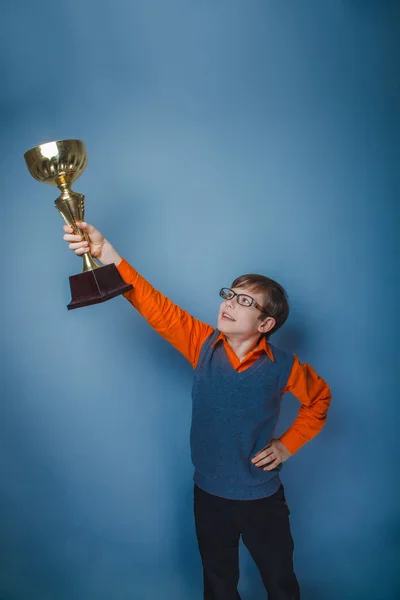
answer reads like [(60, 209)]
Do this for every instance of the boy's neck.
[(242, 347)]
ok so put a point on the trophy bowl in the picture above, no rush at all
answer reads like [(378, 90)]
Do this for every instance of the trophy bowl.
[(63, 157)]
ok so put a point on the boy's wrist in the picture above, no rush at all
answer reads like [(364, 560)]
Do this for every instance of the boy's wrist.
[(109, 255)]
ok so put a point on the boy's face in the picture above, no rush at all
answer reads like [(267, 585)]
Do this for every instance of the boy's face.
[(237, 320)]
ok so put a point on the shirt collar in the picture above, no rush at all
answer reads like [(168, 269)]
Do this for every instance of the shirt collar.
[(262, 346)]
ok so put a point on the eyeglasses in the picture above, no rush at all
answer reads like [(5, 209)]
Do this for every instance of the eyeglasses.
[(242, 299)]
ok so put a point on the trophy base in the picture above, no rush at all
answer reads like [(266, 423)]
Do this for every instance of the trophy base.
[(99, 285)]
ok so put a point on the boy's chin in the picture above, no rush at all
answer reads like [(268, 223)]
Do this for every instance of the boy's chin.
[(225, 326)]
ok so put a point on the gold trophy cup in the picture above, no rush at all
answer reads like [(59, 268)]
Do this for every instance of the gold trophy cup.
[(60, 164)]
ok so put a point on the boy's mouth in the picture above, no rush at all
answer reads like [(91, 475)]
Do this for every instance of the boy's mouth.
[(227, 317)]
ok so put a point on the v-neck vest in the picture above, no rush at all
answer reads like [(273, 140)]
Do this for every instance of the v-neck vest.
[(234, 416)]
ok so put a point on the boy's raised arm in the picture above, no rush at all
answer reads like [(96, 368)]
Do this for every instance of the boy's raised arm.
[(177, 326), (174, 324)]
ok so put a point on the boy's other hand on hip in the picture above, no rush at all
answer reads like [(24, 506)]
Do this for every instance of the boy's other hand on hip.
[(272, 455)]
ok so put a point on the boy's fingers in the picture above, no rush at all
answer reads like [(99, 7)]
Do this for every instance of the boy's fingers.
[(68, 229), (76, 245), (273, 465), (69, 237), (85, 226), (265, 461), (264, 457), (90, 230), (80, 251), (262, 454)]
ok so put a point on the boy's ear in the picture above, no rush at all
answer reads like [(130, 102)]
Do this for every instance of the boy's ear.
[(266, 325)]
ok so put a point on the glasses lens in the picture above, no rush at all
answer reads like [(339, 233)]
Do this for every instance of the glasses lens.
[(226, 293), (244, 300)]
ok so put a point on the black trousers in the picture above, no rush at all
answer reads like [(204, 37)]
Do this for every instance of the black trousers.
[(265, 530)]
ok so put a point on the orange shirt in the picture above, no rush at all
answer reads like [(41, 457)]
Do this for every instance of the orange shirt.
[(188, 334)]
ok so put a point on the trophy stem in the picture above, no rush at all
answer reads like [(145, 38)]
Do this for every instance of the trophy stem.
[(89, 263), (72, 209)]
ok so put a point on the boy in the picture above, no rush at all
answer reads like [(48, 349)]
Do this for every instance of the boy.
[(238, 384)]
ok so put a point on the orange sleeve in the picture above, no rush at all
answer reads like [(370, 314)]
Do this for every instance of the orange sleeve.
[(315, 397), (175, 325)]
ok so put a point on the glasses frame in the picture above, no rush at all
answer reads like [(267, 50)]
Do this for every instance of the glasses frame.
[(253, 302)]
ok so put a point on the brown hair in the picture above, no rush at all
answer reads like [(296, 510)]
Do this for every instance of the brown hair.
[(275, 302)]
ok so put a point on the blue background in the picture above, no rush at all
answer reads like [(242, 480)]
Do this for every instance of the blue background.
[(224, 137)]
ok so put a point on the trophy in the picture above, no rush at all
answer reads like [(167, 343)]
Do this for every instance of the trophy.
[(60, 164)]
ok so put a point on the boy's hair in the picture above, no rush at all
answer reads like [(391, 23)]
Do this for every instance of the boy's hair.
[(275, 303)]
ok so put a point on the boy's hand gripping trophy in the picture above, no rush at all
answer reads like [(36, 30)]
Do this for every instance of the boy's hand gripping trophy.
[(60, 164)]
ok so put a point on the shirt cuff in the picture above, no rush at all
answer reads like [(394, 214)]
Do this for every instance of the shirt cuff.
[(127, 272), (293, 441)]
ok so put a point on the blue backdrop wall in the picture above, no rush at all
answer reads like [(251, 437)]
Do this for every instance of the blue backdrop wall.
[(224, 137)]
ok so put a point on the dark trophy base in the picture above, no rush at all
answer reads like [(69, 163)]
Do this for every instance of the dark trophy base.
[(96, 286)]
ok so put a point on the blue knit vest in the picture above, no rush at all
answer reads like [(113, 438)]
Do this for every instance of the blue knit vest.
[(234, 416)]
